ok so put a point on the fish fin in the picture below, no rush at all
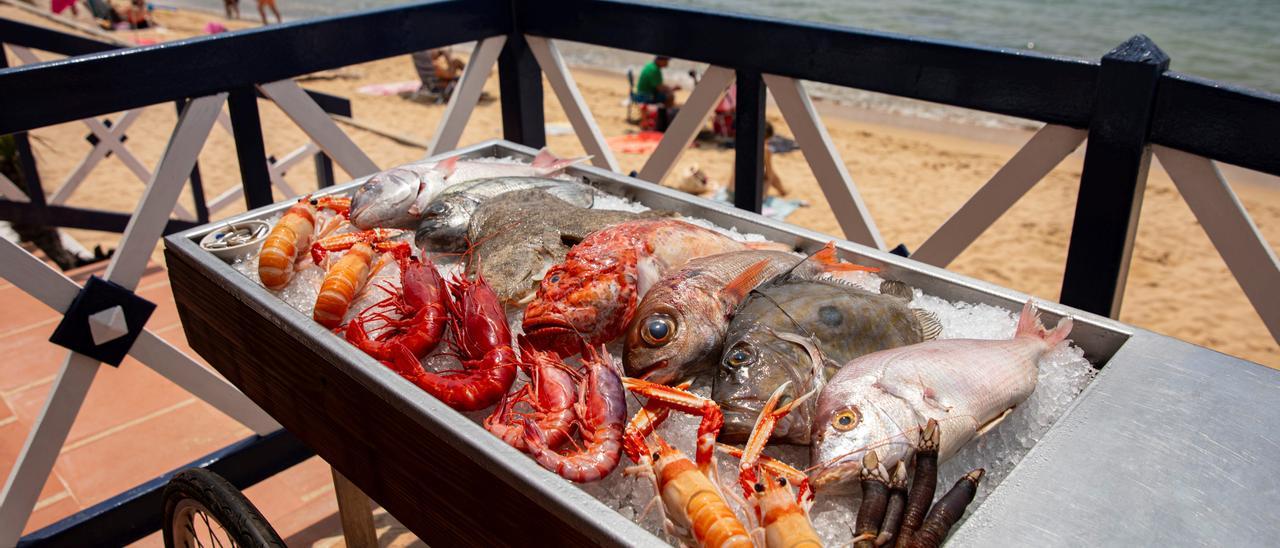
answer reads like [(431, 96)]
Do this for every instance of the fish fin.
[(993, 423), (930, 324), (897, 288), (738, 288), (420, 202), (768, 246), (552, 163), (447, 165), (831, 263), (1029, 326), (573, 195)]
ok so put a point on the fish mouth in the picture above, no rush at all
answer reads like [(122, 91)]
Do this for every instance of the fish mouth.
[(739, 419), (838, 476), (656, 372), (553, 335)]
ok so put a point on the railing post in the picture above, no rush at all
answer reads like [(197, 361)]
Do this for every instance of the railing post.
[(324, 170), (520, 87), (1113, 179), (246, 126), (748, 142)]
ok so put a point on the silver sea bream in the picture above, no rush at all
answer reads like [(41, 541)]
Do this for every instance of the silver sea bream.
[(881, 401), (445, 220)]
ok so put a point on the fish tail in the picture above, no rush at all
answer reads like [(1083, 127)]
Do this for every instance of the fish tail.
[(546, 160), (1029, 326), (831, 263)]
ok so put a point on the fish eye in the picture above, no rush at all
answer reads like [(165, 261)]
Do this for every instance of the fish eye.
[(741, 356), (555, 278), (845, 420), (438, 208), (657, 329)]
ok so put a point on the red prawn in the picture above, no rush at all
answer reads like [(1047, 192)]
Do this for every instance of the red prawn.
[(551, 393), (602, 414), (482, 342), (422, 302)]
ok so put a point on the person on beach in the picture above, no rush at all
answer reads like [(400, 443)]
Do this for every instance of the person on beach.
[(262, 10), (651, 90), (649, 87), (233, 9), (138, 16), (58, 6), (771, 178), (439, 72)]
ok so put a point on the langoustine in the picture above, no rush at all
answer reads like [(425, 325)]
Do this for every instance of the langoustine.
[(290, 237), (695, 508)]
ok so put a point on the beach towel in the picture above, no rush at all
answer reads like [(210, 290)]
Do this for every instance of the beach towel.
[(391, 88), (60, 5), (781, 145), (774, 207), (643, 142)]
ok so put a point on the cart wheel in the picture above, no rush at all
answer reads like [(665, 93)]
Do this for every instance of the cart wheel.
[(202, 509)]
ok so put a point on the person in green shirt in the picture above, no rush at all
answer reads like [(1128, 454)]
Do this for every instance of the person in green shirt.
[(649, 87)]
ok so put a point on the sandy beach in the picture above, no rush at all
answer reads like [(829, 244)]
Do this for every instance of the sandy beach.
[(912, 173)]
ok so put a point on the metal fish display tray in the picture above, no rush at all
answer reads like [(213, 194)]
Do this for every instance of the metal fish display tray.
[(448, 480)]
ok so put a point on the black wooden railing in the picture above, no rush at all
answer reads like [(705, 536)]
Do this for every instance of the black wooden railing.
[(257, 189), (1128, 100)]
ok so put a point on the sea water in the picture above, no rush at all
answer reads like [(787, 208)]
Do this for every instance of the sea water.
[(1063, 374), (1235, 41)]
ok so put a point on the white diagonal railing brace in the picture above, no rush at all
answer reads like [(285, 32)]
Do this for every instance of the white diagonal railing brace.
[(693, 114), (89, 162), (322, 130), (277, 170), (1043, 152), (575, 108), (72, 384), (10, 191), (465, 95), (112, 139), (832, 175), (1229, 226)]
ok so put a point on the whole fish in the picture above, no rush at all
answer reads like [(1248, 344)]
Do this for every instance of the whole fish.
[(593, 293), (445, 220), (777, 332), (396, 198), (519, 235), (879, 402), (680, 323)]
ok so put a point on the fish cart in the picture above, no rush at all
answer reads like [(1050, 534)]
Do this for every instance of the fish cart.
[(1170, 443)]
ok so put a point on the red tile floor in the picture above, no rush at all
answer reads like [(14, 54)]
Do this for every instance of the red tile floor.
[(135, 425)]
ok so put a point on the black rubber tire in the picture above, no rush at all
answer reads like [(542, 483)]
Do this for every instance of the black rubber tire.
[(237, 516)]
